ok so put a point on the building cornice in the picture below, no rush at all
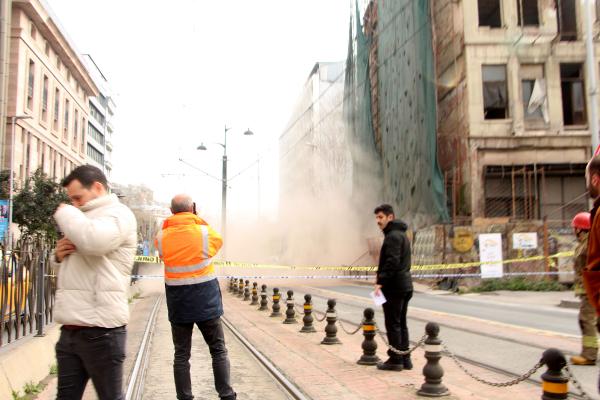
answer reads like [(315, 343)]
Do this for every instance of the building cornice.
[(48, 28)]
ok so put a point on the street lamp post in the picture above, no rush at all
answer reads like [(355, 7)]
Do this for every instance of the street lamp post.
[(14, 120), (224, 192), (224, 185)]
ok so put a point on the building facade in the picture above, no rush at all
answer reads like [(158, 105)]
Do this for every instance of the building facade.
[(100, 126), (48, 93), (513, 112), (315, 171)]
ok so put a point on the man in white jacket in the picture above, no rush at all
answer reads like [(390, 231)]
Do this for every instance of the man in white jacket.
[(94, 261)]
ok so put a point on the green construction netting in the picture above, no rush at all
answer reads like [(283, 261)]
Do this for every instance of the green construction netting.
[(407, 168)]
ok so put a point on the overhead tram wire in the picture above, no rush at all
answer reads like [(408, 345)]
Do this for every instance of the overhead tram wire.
[(198, 169)]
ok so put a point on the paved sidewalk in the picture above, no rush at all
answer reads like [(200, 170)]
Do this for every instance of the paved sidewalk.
[(331, 372)]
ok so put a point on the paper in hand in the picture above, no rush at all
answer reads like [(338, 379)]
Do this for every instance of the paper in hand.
[(378, 299)]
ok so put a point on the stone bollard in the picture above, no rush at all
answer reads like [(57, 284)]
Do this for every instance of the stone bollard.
[(254, 294), (247, 291), (276, 307), (290, 313), (308, 318), (264, 303), (554, 383), (369, 345), (234, 289), (240, 292), (433, 371), (230, 288), (331, 328)]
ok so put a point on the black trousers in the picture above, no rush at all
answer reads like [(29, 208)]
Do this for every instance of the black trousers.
[(96, 353), (212, 331), (394, 311)]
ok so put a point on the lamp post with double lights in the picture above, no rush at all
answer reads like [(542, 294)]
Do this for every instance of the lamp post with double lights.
[(224, 184), (14, 120)]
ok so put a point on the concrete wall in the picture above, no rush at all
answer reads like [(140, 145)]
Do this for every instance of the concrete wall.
[(25, 361)]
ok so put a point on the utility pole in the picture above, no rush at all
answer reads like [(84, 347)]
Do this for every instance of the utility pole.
[(224, 196), (591, 66)]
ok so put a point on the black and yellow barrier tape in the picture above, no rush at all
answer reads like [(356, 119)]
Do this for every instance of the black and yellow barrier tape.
[(428, 267)]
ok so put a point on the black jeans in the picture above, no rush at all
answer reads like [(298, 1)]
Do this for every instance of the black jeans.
[(212, 331), (394, 311), (96, 353)]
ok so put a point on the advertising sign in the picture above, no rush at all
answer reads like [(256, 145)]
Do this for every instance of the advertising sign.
[(490, 254), (3, 218)]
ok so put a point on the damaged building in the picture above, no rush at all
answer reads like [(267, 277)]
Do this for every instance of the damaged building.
[(513, 118)]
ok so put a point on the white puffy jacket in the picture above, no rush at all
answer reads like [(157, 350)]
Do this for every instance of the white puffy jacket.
[(92, 282)]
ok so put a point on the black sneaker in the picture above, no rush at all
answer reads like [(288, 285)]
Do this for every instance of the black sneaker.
[(407, 362), (390, 365)]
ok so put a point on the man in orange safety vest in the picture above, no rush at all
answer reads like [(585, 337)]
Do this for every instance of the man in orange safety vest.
[(187, 245)]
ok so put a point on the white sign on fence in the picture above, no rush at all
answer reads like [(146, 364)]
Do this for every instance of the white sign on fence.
[(525, 241), (490, 254)]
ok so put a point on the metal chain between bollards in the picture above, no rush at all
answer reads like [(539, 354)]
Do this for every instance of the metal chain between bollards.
[(576, 384), (319, 319), (347, 331), (299, 310), (513, 382), (402, 352)]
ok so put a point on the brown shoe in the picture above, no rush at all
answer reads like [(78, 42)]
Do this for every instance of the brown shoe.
[(579, 360)]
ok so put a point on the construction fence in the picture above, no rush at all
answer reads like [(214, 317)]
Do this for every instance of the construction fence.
[(452, 255)]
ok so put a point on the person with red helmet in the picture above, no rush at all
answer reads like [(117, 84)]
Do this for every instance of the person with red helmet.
[(581, 225)]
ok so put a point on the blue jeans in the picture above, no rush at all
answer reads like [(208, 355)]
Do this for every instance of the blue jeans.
[(212, 331), (96, 353)]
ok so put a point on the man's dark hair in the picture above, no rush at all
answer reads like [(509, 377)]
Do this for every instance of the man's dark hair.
[(386, 209), (594, 165), (86, 175)]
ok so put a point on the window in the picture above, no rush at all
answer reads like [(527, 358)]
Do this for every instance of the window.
[(30, 85), (96, 134), (95, 154), (98, 116), (28, 155), (53, 162), (56, 108), (495, 92), (47, 49), (45, 98), (82, 144), (535, 100), (528, 13), (43, 158), (75, 127), (58, 63), (66, 121), (567, 20), (489, 13), (33, 31), (531, 191), (573, 94)]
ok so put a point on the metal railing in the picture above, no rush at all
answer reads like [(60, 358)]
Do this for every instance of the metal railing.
[(27, 290)]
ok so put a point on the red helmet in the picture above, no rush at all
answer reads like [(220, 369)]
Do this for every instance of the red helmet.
[(582, 221)]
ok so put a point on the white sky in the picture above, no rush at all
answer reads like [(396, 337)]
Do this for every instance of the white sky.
[(182, 69)]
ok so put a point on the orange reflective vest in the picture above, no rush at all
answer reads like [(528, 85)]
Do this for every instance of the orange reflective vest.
[(187, 245)]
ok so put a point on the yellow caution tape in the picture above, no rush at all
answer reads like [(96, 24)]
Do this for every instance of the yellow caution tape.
[(428, 267), (147, 259)]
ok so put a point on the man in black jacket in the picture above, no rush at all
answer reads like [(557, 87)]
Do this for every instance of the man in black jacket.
[(395, 281)]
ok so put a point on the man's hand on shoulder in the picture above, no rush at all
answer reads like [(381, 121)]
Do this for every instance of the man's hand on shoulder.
[(64, 247)]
